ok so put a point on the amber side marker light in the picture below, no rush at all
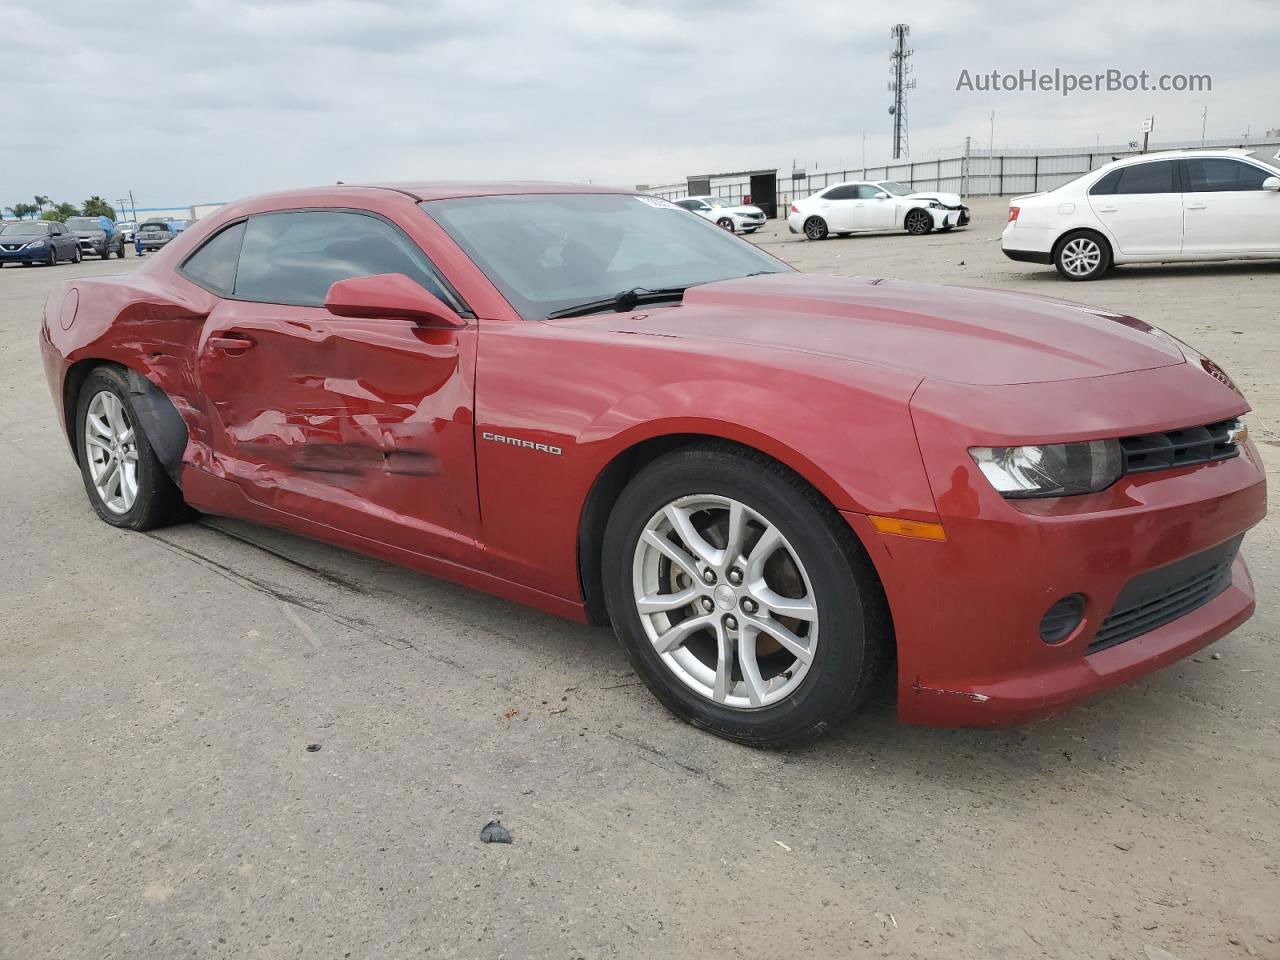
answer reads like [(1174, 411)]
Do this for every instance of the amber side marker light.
[(908, 528)]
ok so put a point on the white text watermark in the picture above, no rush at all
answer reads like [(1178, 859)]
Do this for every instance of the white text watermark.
[(1031, 80)]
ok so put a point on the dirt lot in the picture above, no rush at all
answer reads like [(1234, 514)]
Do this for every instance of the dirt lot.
[(158, 693)]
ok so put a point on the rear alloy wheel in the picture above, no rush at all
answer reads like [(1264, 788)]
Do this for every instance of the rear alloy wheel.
[(1082, 256), (126, 483), (815, 228), (918, 222), (724, 223), (741, 599)]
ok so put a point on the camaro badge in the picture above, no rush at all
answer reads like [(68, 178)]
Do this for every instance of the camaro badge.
[(517, 442)]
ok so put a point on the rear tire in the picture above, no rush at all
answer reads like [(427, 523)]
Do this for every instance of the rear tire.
[(1082, 255), (139, 495), (815, 228), (781, 637)]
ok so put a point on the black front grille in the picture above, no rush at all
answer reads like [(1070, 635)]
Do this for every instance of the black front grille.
[(1161, 596), (1180, 448)]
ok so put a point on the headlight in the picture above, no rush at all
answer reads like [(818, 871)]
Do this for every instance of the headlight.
[(1051, 470), (37, 244), (936, 205)]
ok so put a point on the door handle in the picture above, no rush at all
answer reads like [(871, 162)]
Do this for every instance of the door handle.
[(1106, 209), (231, 342), (1196, 206)]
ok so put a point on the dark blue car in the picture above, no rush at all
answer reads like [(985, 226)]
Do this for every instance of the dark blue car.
[(38, 241)]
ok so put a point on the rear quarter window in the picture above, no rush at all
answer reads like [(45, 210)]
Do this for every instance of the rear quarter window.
[(213, 265)]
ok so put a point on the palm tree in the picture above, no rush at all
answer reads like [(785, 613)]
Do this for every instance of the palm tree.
[(40, 202)]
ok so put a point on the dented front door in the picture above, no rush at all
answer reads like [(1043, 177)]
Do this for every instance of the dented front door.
[(363, 425)]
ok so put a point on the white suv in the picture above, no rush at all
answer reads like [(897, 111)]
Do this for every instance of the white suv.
[(1160, 207)]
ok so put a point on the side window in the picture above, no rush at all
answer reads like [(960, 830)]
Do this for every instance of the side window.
[(845, 192), (294, 257), (687, 204), (55, 229), (1218, 174), (1107, 185), (213, 266), (865, 191), (1154, 177)]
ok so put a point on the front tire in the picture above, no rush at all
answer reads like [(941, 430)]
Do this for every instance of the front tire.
[(126, 483), (1082, 255), (815, 228), (741, 597), (917, 222), (724, 223)]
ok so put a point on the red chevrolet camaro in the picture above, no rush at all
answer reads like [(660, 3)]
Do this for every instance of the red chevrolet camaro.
[(772, 485)]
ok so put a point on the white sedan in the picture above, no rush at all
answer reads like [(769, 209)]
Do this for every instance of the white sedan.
[(862, 205), (742, 217), (1159, 207)]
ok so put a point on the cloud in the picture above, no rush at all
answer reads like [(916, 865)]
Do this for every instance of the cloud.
[(214, 99)]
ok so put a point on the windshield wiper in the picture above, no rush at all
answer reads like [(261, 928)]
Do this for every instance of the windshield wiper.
[(621, 303)]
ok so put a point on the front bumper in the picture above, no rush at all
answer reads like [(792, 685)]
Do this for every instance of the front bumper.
[(94, 247), (967, 610), (24, 255)]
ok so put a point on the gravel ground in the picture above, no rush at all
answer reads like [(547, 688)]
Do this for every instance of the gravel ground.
[(158, 694)]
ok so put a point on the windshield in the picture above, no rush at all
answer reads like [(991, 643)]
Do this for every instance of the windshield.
[(549, 252), (156, 226), (84, 223), (897, 189), (720, 202), (25, 230)]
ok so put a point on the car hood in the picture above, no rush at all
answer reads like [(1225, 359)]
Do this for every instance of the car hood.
[(950, 199), (958, 334)]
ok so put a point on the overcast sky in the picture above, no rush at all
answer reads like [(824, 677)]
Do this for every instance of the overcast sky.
[(188, 102)]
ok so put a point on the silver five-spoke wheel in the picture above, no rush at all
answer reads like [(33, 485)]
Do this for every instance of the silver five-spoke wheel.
[(1081, 256), (725, 601), (111, 452)]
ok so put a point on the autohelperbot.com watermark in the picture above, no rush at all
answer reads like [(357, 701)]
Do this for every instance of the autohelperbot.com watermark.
[(1066, 82)]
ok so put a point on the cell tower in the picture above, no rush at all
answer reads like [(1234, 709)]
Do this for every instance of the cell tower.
[(899, 84)]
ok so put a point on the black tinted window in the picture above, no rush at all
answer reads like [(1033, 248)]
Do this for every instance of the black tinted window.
[(1214, 174), (1147, 178), (213, 266), (841, 193), (1107, 184), (295, 257)]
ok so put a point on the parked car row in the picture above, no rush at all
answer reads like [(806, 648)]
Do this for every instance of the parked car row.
[(45, 242), (49, 242)]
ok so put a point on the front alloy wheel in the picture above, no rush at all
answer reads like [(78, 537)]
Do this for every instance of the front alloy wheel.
[(741, 597), (725, 601), (918, 222)]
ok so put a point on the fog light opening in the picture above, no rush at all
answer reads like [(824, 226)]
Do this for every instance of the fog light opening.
[(1061, 619)]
